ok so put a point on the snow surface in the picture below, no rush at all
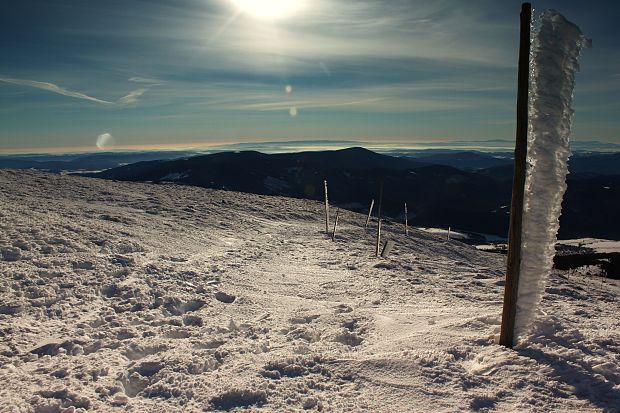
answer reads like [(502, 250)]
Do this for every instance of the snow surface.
[(444, 232), (120, 296), (554, 60), (596, 244)]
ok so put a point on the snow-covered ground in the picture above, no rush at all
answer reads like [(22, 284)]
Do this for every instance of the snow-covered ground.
[(444, 233), (595, 244), (164, 298)]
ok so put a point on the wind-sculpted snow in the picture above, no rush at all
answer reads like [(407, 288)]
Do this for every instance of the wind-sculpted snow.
[(554, 61), (164, 298)]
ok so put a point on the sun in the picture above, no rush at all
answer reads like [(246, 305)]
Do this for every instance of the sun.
[(269, 9)]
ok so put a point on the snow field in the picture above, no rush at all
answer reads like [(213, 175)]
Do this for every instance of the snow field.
[(163, 298)]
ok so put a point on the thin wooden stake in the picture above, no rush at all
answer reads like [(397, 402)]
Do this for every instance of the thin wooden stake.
[(379, 219), (326, 209), (335, 225), (372, 203), (378, 237), (507, 333), (406, 223), (448, 237)]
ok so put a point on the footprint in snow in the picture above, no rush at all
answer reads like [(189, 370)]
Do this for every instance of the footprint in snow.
[(224, 297), (348, 338), (304, 319), (343, 308)]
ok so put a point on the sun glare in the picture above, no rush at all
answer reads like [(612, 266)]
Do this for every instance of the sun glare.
[(269, 9)]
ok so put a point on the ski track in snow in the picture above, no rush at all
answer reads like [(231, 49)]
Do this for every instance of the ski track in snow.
[(163, 298)]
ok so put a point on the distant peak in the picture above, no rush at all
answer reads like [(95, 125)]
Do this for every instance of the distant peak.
[(355, 149)]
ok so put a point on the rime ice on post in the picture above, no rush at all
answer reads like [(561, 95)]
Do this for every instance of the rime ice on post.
[(406, 223), (554, 61), (379, 220), (326, 209)]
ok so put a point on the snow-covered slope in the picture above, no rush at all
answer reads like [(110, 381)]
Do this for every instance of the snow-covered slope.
[(164, 298), (595, 244)]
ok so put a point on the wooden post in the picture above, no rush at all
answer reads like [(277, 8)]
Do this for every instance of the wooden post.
[(518, 184), (335, 225), (379, 219), (448, 237), (326, 209), (406, 223), (387, 248), (378, 237), (372, 203)]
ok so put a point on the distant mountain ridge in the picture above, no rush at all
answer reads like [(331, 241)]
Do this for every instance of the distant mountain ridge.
[(437, 195), (600, 163), (85, 162)]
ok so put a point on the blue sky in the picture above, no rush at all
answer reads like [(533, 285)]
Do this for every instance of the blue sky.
[(191, 72)]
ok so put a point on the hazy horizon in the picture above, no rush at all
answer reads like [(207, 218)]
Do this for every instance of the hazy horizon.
[(491, 145)]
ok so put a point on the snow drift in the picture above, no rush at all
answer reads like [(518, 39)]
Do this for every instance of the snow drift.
[(553, 61)]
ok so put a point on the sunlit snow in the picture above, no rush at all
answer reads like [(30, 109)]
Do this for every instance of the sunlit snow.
[(163, 298)]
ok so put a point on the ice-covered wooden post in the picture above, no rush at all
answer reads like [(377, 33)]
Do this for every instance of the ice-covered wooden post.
[(326, 209), (406, 223), (372, 203), (518, 184), (379, 220), (335, 225)]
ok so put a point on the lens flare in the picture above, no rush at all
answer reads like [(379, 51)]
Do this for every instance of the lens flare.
[(105, 141)]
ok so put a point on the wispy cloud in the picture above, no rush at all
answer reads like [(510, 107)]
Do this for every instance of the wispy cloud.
[(308, 104), (130, 98), (50, 87), (396, 98), (498, 122), (383, 104), (140, 79)]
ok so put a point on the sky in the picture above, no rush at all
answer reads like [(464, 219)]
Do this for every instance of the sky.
[(83, 75)]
